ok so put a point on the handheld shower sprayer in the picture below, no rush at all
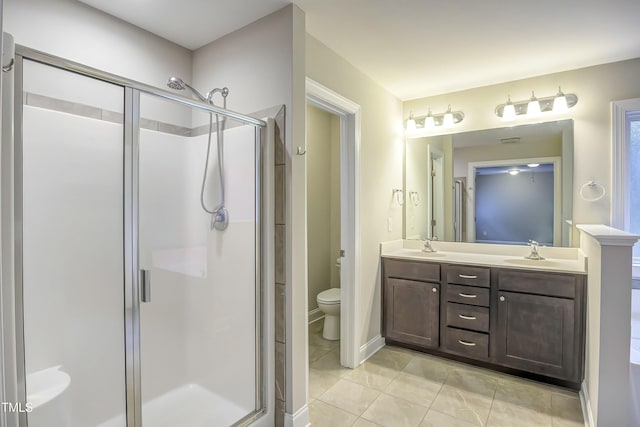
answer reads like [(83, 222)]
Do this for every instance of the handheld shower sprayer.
[(177, 83), (220, 218)]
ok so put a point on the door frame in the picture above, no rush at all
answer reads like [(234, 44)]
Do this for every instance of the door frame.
[(349, 112)]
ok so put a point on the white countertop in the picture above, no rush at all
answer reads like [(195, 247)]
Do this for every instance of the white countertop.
[(563, 260)]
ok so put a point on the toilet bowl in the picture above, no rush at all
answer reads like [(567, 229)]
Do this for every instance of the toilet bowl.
[(329, 304)]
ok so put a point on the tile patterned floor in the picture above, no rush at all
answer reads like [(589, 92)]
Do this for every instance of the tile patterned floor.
[(399, 387)]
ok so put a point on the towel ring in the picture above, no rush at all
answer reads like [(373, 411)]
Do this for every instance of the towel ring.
[(592, 187)]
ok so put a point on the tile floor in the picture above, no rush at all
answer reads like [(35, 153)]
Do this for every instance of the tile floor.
[(399, 387)]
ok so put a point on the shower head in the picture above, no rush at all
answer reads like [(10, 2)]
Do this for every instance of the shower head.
[(178, 84)]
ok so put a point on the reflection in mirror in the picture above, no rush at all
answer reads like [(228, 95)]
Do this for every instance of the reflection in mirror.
[(506, 185)]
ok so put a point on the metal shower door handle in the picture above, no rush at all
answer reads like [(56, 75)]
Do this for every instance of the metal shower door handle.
[(145, 285)]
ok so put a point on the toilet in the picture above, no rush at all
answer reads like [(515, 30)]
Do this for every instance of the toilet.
[(329, 304)]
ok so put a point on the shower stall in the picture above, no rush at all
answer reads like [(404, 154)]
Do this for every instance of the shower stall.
[(121, 305)]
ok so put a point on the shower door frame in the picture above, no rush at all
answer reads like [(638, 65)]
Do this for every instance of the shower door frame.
[(12, 240)]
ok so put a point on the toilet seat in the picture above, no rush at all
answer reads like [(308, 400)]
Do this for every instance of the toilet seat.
[(330, 296)]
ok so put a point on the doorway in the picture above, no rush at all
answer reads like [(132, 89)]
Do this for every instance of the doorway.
[(348, 112), (515, 201)]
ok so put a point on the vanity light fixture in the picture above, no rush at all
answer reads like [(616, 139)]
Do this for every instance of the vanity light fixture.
[(514, 171), (431, 121), (559, 103), (533, 165)]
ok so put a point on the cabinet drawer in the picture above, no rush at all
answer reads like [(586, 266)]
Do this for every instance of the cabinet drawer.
[(533, 282), (466, 343), (422, 271), (468, 317), (468, 295), (466, 275)]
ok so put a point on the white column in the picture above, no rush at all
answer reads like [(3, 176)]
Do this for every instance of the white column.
[(605, 390)]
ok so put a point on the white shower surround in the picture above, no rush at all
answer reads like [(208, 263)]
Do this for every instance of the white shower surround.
[(185, 307)]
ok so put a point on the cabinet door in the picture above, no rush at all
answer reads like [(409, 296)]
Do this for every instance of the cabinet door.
[(412, 312), (536, 333)]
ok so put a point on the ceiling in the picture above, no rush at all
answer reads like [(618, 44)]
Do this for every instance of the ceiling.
[(419, 48)]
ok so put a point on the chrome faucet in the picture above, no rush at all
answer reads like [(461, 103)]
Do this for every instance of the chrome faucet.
[(534, 254), (427, 246)]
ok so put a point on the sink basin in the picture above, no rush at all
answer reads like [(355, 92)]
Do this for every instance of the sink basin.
[(418, 253), (533, 262)]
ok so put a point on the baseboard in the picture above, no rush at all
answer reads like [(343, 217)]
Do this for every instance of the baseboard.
[(299, 419), (370, 348), (315, 315), (585, 403)]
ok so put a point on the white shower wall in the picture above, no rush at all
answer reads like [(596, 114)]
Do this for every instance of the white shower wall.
[(73, 259), (207, 312)]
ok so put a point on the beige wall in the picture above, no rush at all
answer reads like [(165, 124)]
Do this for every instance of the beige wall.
[(335, 245), (321, 201), (595, 86), (380, 168), (416, 179)]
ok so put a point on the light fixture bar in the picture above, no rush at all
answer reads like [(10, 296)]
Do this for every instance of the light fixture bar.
[(546, 104), (438, 119)]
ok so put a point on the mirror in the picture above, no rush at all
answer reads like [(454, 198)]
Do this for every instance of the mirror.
[(505, 185)]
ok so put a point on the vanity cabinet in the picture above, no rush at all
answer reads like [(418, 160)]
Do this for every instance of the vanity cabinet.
[(412, 303), (467, 311), (540, 324), (520, 321)]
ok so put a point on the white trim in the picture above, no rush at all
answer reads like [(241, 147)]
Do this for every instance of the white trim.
[(557, 192), (349, 113), (369, 349), (608, 236), (299, 419), (315, 315), (619, 161), (585, 404)]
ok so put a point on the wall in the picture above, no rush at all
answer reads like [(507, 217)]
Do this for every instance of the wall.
[(381, 154), (416, 179), (321, 202), (77, 32), (606, 386), (262, 64), (595, 86), (335, 225)]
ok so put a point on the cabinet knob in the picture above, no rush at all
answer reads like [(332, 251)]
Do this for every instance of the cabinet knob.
[(434, 289), (501, 298)]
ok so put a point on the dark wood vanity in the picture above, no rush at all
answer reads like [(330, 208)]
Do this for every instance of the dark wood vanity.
[(525, 322)]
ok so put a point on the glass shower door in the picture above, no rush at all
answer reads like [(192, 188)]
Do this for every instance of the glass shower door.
[(70, 221), (199, 296)]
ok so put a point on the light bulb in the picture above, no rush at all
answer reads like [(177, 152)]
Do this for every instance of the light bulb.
[(533, 108), (560, 103), (513, 171), (411, 123), (533, 165), (509, 111), (429, 122), (447, 120)]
